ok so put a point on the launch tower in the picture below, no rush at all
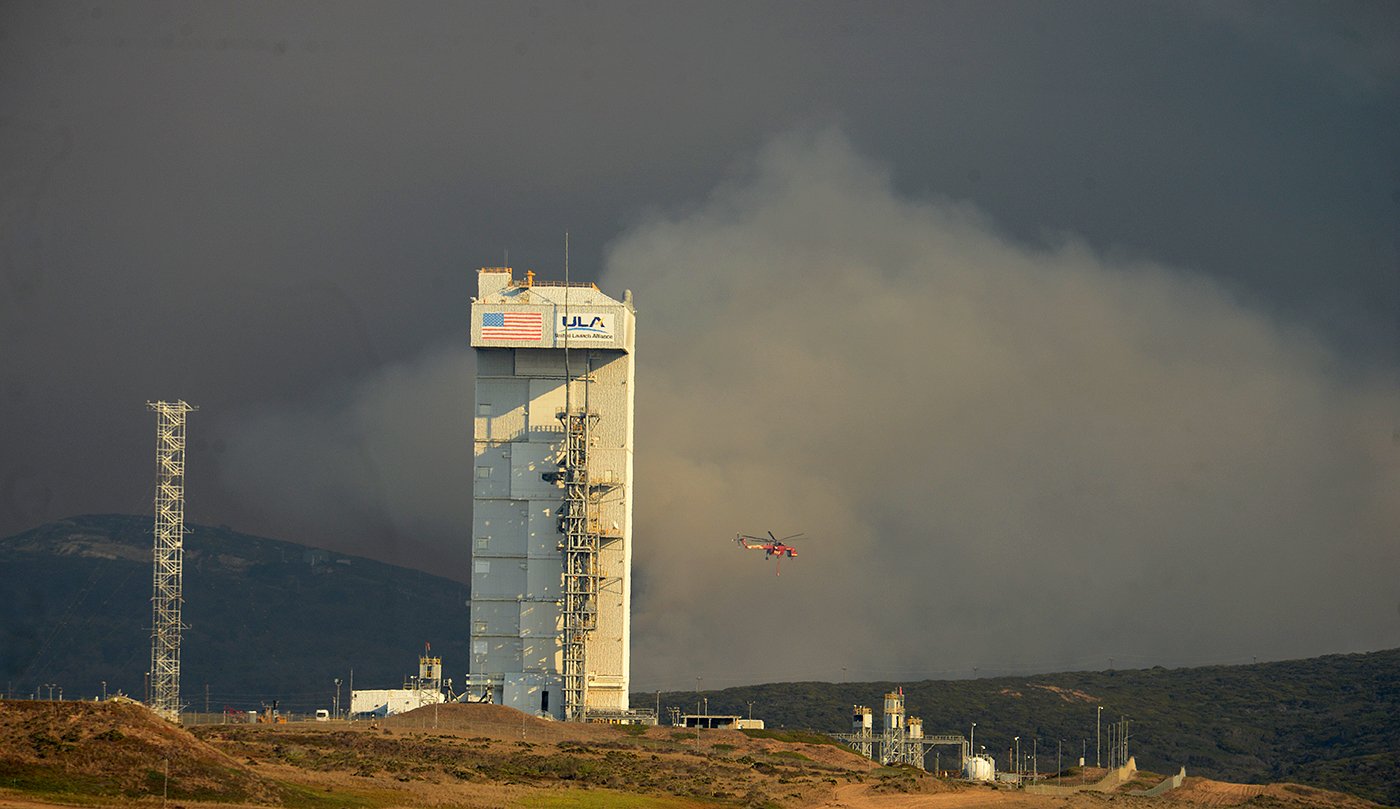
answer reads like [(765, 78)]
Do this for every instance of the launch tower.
[(552, 500)]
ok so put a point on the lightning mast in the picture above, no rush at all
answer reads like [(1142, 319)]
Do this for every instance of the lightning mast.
[(166, 596)]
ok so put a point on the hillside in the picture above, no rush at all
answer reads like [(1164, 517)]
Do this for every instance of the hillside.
[(275, 620), (266, 619), (1329, 721), (490, 756)]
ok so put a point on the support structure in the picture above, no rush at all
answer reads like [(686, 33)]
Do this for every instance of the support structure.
[(579, 611), (901, 739), (167, 557)]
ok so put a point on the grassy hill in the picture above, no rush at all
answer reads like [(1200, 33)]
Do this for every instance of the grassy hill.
[(1331, 721), (275, 620), (67, 753), (266, 619)]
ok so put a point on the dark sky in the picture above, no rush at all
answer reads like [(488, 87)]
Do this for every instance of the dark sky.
[(1066, 331)]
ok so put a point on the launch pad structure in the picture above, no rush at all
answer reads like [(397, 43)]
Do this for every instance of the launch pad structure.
[(167, 557), (901, 739), (552, 497)]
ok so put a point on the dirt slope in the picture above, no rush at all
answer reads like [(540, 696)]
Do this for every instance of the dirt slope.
[(1208, 793), (115, 749)]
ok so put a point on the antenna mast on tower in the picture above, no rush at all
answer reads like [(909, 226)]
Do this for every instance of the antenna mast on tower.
[(166, 596)]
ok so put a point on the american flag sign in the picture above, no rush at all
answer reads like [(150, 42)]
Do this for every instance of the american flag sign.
[(512, 325)]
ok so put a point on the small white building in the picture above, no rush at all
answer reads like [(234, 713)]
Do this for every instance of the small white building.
[(720, 722), (390, 701)]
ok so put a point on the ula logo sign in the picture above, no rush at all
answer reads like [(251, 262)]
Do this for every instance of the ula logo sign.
[(585, 326)]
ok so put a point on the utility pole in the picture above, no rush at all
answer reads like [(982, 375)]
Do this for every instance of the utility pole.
[(697, 713), (1098, 721), (1123, 738)]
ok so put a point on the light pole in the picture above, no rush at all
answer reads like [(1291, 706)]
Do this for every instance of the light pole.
[(1059, 748), (104, 690), (972, 743), (1035, 758), (1098, 720), (697, 712), (337, 698), (750, 710), (1018, 754)]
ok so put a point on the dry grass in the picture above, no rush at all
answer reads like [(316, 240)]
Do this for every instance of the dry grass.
[(467, 756)]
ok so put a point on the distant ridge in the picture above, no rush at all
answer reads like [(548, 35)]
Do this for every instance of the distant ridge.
[(1331, 722), (267, 619)]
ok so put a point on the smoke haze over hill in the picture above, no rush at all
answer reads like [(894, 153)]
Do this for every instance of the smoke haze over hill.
[(1005, 455), (1066, 332)]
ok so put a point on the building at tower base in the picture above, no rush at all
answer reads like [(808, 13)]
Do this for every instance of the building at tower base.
[(552, 497)]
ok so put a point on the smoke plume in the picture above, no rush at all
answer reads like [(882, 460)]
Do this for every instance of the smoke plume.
[(1005, 456)]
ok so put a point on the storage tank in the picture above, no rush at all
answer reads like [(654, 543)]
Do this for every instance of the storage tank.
[(979, 768), (916, 727)]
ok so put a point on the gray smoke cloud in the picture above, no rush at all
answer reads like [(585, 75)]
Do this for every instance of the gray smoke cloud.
[(992, 436), (1005, 455)]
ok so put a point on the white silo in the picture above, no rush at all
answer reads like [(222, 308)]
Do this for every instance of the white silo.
[(979, 768)]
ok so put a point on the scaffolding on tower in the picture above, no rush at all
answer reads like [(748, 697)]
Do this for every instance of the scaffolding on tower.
[(167, 557), (581, 574)]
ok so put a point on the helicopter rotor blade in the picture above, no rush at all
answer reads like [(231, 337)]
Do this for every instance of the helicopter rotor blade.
[(794, 536)]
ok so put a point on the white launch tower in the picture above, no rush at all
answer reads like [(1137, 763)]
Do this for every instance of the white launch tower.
[(552, 500)]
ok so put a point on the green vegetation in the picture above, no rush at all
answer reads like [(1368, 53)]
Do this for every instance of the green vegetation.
[(796, 736), (299, 797), (50, 780), (789, 754)]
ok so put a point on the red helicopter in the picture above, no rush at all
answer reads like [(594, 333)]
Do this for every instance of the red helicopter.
[(772, 546)]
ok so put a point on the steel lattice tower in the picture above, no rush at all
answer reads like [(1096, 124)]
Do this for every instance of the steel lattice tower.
[(581, 542), (166, 596)]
